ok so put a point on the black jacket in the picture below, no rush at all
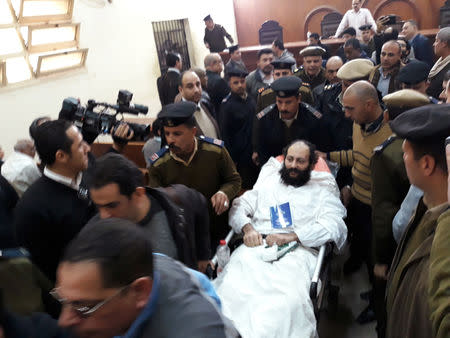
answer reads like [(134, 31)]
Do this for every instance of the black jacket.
[(168, 87), (187, 213), (217, 90)]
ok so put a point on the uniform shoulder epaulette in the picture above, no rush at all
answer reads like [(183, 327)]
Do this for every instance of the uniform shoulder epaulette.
[(211, 140), (312, 110), (226, 98), (265, 111), (330, 86), (299, 69), (156, 156), (379, 149), (260, 90), (305, 84), (266, 91)]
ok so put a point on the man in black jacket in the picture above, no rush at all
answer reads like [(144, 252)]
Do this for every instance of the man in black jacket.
[(217, 87), (55, 208), (169, 82), (178, 232)]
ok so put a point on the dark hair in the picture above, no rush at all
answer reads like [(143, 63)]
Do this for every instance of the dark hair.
[(115, 168), (354, 43), (312, 151), (408, 45), (413, 23), (121, 249), (350, 30), (36, 123), (264, 51), (50, 137), (172, 58), (278, 43), (315, 36), (435, 149)]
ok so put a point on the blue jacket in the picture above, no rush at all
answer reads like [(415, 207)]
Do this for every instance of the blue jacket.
[(423, 50)]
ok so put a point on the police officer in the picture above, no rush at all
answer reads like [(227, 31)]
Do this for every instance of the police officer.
[(200, 163), (389, 187), (284, 121), (414, 75), (282, 68), (237, 114), (311, 71)]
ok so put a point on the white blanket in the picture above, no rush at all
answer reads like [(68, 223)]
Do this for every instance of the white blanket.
[(272, 299)]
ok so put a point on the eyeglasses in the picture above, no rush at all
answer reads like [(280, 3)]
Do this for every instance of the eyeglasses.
[(83, 310)]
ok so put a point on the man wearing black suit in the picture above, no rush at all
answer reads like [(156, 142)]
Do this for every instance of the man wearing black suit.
[(218, 88), (168, 83)]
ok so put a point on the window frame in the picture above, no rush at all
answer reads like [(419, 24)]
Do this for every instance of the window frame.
[(44, 18), (54, 45), (41, 58)]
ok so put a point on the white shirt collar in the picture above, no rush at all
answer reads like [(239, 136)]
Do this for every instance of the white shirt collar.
[(173, 69), (74, 184)]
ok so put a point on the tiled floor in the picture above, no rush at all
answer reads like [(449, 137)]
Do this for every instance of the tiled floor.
[(341, 323)]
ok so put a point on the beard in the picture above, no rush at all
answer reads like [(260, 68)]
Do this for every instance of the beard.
[(302, 177)]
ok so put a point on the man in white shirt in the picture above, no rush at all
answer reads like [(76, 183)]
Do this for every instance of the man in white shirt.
[(290, 203), (191, 90), (356, 17), (20, 169)]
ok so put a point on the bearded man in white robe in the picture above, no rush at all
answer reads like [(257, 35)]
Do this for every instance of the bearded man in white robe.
[(294, 200)]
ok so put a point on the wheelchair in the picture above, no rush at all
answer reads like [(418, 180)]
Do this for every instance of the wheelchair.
[(321, 287)]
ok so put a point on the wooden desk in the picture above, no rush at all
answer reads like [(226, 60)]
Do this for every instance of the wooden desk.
[(249, 54)]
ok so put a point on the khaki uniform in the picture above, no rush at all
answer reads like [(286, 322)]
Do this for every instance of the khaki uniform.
[(407, 295), (313, 81), (211, 169), (267, 96)]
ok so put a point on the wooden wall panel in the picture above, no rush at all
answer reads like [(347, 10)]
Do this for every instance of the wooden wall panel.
[(292, 14)]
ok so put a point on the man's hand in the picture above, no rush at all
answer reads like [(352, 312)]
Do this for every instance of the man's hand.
[(123, 131), (321, 154), (380, 271), (251, 236), (278, 239), (255, 158), (202, 265), (346, 195), (381, 23), (220, 202), (207, 45)]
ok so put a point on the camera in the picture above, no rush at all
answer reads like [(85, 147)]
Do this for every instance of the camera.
[(96, 118)]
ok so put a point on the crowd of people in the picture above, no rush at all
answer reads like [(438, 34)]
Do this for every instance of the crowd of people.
[(347, 149)]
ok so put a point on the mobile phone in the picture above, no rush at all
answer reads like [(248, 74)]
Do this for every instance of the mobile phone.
[(447, 141), (392, 19)]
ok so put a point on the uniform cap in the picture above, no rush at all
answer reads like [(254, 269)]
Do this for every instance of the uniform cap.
[(287, 86), (312, 51), (430, 123), (208, 17), (286, 63), (414, 72), (365, 27), (356, 69), (178, 113), (235, 71), (232, 49)]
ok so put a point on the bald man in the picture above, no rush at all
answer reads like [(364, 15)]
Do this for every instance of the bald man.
[(331, 69), (217, 87), (361, 104), (383, 76)]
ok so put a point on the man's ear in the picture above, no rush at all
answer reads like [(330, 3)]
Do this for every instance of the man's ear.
[(194, 131), (385, 115), (428, 164), (140, 191), (61, 156), (142, 288)]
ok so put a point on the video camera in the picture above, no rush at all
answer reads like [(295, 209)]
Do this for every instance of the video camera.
[(96, 118)]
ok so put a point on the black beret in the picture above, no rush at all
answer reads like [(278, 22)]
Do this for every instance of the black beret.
[(414, 72), (365, 27), (287, 86), (235, 71), (232, 49), (283, 64), (178, 113), (430, 123), (208, 17)]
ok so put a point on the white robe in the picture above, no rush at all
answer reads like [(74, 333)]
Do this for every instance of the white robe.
[(272, 299)]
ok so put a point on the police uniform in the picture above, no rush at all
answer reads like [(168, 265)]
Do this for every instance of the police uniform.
[(237, 115), (390, 185), (417, 288), (267, 96), (271, 134), (313, 81), (210, 168)]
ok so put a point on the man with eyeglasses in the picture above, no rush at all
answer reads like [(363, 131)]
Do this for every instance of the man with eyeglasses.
[(110, 284)]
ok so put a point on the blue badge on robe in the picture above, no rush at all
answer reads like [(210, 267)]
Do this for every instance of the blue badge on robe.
[(280, 216)]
